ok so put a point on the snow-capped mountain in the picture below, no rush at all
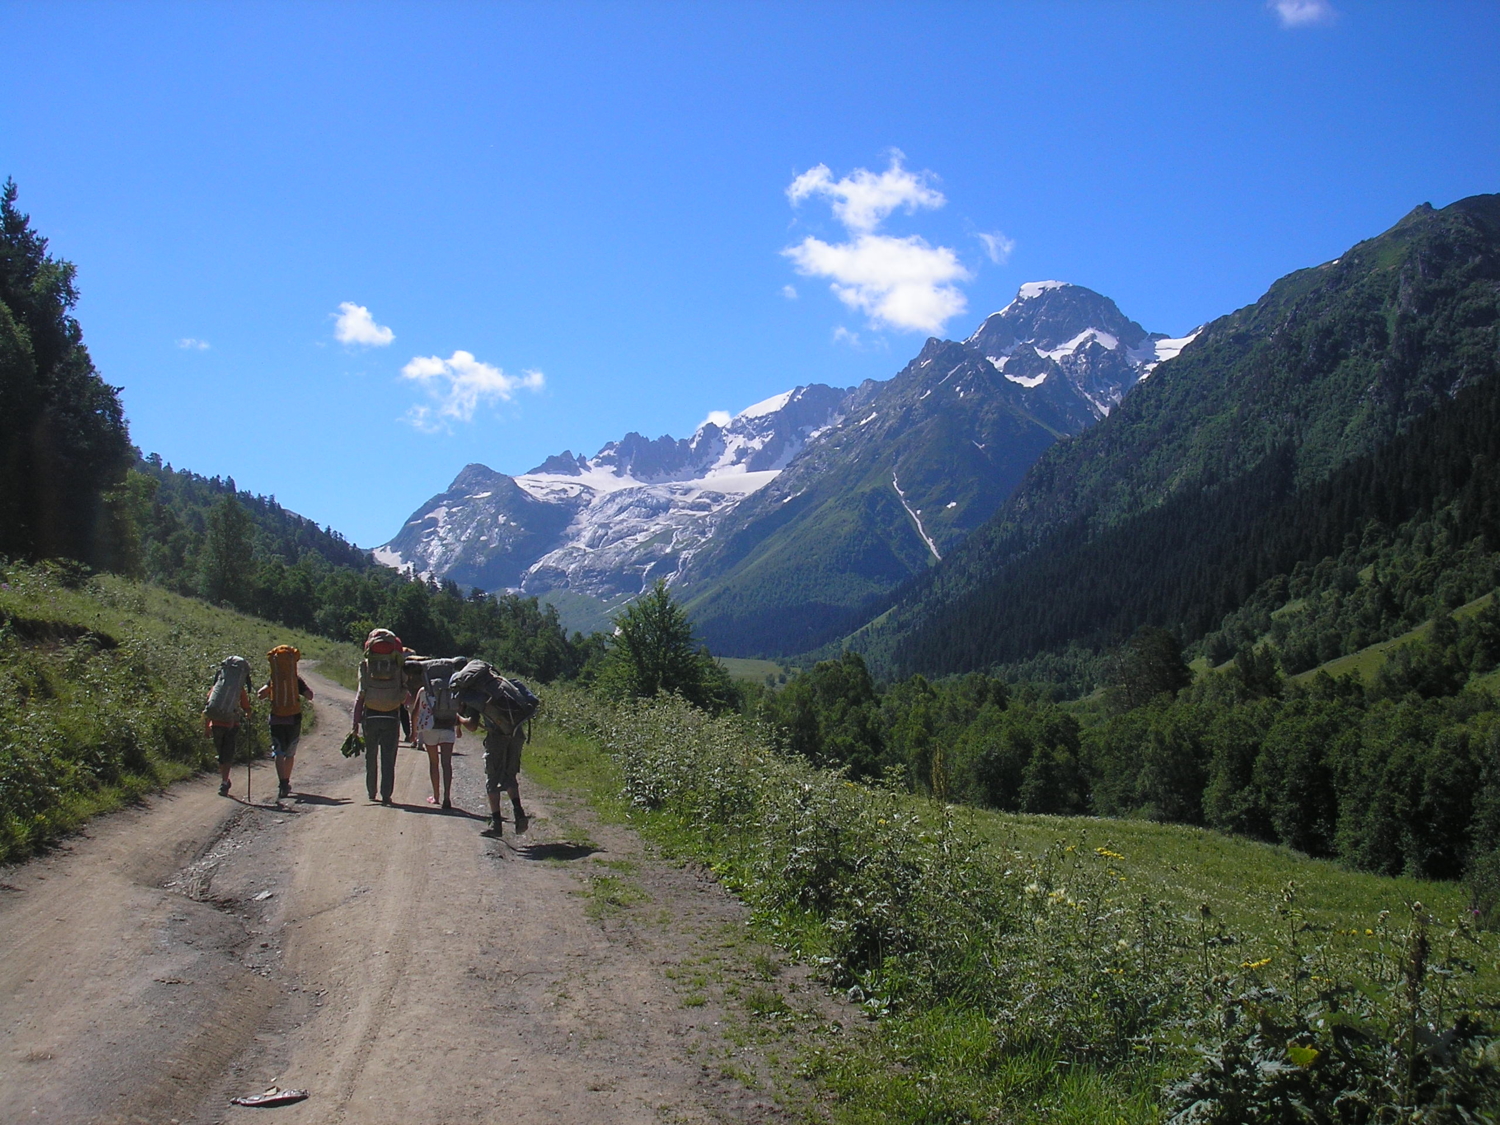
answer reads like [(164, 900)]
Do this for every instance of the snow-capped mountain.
[(1073, 342), (608, 525), (807, 504)]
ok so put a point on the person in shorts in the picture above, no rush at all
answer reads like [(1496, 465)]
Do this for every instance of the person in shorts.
[(502, 766), (438, 742), (225, 738), (286, 732)]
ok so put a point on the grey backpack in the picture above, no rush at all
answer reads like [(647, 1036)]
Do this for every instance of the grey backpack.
[(436, 676), (224, 696), (504, 703)]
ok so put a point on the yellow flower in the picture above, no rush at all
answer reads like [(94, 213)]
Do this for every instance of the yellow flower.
[(1255, 966), (1107, 854)]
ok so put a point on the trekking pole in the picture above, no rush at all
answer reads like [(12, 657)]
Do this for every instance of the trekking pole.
[(249, 758)]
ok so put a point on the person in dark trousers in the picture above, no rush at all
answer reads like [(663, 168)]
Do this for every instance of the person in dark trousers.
[(377, 708)]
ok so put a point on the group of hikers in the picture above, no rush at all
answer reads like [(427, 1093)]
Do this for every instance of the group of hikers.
[(424, 700)]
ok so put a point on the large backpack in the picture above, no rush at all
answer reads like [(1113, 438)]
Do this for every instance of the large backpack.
[(384, 666), (286, 694), (437, 681), (505, 704), (224, 697)]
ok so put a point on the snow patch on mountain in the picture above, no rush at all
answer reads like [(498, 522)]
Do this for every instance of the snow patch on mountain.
[(1161, 350), (768, 406)]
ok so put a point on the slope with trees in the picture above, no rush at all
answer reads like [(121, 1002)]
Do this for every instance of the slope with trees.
[(1205, 481)]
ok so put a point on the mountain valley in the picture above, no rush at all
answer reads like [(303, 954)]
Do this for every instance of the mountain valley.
[(781, 527)]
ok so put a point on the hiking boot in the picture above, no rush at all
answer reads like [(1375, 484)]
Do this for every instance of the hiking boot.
[(447, 804), (284, 790), (523, 821), (493, 828), (385, 801), (223, 788)]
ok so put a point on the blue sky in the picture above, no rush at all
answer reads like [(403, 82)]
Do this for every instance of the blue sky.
[(566, 221)]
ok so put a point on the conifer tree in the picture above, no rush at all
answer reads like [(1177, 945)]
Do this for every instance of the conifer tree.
[(227, 558), (653, 652), (64, 447)]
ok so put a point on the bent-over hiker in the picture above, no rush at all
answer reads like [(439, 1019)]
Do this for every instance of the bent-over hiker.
[(377, 707), (504, 705), (227, 704), (286, 690)]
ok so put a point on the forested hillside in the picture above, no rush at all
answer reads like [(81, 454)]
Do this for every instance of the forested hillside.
[(1274, 439), (64, 448), (204, 537)]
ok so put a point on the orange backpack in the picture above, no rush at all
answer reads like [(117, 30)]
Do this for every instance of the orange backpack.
[(286, 698)]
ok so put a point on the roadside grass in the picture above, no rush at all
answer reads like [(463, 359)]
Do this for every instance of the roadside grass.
[(609, 895), (1052, 969), (102, 683)]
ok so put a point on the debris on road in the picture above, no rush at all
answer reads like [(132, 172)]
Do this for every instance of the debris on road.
[(272, 1097)]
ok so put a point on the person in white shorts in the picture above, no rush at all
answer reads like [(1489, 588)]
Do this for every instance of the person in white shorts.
[(438, 742)]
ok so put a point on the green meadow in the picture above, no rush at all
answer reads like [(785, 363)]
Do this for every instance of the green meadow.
[(1033, 968)]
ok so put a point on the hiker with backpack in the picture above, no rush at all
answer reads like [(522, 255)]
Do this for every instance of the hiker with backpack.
[(505, 706), (436, 719), (227, 704), (377, 708), (286, 690)]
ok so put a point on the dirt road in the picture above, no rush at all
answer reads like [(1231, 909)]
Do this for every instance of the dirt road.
[(391, 961)]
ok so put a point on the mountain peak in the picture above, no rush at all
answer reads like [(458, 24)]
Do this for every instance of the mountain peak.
[(1049, 314)]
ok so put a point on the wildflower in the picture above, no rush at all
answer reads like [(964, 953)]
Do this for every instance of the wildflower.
[(1255, 966), (1107, 854), (1033, 888), (1369, 933)]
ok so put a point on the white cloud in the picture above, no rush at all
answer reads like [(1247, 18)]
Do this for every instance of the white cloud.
[(863, 200), (842, 335), (902, 283), (997, 246), (190, 344), (789, 292), (1303, 13), (720, 418), (355, 325), (458, 385)]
